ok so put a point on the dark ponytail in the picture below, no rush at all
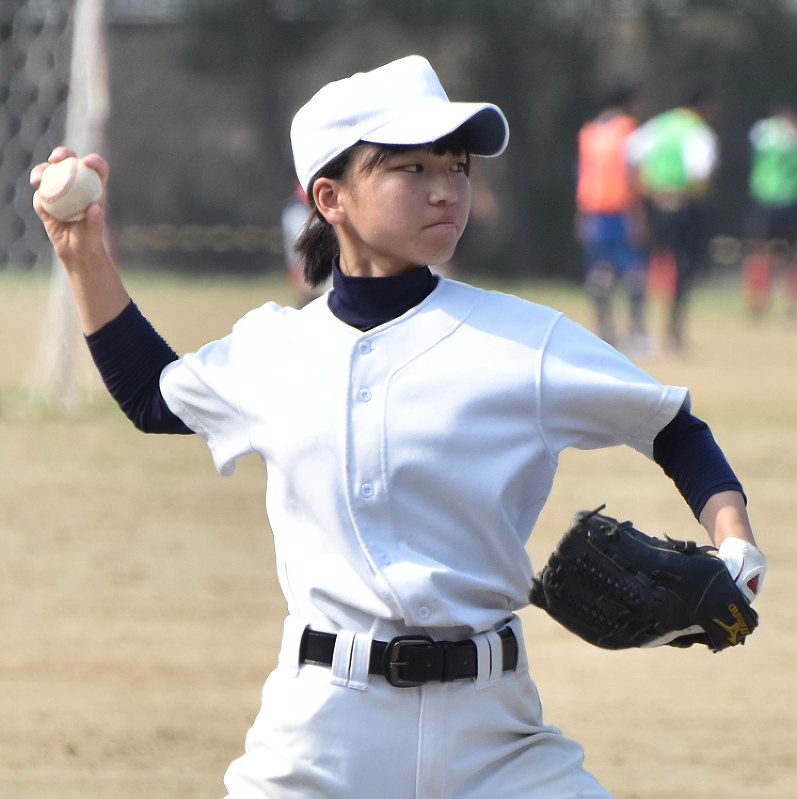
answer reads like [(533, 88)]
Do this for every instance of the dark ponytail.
[(318, 248), (317, 244)]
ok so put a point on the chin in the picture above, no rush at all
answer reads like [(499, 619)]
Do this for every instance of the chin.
[(440, 256)]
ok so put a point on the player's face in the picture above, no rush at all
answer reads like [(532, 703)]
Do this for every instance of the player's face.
[(409, 210)]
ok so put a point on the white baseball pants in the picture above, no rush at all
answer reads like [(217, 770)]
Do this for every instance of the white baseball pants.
[(326, 733)]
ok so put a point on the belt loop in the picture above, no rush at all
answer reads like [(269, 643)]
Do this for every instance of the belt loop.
[(483, 660), (497, 655), (360, 660), (341, 659)]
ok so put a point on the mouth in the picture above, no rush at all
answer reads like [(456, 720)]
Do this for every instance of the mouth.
[(443, 223)]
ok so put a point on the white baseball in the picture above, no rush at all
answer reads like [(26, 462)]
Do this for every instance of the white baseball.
[(68, 188)]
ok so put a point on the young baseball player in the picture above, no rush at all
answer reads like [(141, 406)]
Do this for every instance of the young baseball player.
[(411, 427)]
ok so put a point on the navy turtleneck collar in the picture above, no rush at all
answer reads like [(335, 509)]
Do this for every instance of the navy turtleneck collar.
[(367, 302)]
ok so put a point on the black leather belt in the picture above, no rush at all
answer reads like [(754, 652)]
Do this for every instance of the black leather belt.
[(412, 660)]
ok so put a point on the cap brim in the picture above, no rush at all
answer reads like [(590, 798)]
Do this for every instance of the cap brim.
[(484, 126)]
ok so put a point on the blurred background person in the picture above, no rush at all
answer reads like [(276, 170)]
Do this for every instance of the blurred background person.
[(673, 158), (772, 222), (610, 220)]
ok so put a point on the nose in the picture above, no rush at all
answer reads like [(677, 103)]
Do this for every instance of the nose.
[(443, 190)]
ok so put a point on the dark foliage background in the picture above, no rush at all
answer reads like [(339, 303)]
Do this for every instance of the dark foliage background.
[(202, 102)]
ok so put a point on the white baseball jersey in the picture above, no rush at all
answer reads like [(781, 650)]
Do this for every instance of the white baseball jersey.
[(408, 464)]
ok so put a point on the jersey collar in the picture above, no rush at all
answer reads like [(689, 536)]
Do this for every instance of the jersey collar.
[(367, 302)]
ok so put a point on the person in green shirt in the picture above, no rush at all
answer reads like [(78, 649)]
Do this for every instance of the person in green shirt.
[(772, 221), (673, 158)]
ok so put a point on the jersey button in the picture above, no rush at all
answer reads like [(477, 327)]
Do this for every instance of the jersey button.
[(367, 490), (424, 612), (364, 394), (364, 347)]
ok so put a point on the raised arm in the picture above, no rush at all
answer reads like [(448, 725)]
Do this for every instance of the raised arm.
[(97, 287), (126, 349)]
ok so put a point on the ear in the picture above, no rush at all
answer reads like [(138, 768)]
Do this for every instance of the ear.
[(327, 197)]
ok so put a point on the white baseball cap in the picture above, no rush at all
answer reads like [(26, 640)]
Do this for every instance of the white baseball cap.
[(399, 103)]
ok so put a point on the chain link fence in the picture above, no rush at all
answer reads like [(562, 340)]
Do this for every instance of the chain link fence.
[(35, 39)]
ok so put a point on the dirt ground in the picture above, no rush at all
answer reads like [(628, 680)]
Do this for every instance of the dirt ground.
[(139, 612)]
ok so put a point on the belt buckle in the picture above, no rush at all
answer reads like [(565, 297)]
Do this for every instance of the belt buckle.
[(393, 664)]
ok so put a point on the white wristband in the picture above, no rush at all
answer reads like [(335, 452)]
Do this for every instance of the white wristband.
[(746, 563)]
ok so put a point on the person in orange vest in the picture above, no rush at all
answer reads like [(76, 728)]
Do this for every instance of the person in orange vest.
[(610, 220)]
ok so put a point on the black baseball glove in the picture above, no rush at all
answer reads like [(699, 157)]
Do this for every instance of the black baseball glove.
[(618, 588)]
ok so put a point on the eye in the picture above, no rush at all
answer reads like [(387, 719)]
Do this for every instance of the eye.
[(411, 167), (460, 166)]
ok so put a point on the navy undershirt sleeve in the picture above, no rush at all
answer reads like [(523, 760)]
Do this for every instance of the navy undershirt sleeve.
[(130, 356), (687, 452)]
